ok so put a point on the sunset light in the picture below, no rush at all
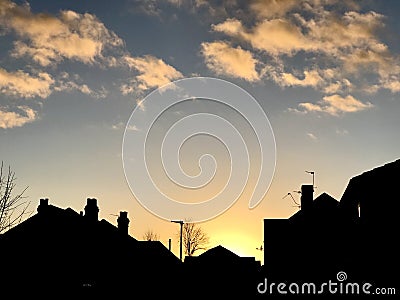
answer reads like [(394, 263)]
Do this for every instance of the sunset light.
[(227, 114)]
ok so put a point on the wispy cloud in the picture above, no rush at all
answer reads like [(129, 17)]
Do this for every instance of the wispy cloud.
[(224, 59), (343, 41), (23, 115), (49, 39), (276, 37), (121, 125), (70, 83), (312, 136), (132, 128), (322, 31), (310, 78), (22, 84), (150, 72), (140, 105), (43, 44), (336, 105)]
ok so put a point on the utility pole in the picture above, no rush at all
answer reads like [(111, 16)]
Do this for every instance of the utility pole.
[(180, 240)]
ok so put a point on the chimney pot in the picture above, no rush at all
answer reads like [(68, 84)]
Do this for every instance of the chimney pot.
[(123, 222), (307, 196), (44, 203), (91, 209)]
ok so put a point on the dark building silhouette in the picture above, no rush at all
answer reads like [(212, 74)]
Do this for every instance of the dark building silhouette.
[(59, 250), (370, 224), (357, 235), (305, 244), (220, 272)]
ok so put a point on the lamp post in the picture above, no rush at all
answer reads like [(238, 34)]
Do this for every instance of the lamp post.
[(180, 240)]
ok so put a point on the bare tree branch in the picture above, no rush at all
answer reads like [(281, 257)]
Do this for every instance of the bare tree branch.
[(13, 208), (194, 238), (150, 235)]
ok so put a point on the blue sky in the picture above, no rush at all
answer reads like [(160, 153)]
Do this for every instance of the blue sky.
[(326, 74)]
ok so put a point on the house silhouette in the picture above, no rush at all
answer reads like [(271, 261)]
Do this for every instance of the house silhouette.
[(59, 251), (221, 272), (68, 252), (357, 235)]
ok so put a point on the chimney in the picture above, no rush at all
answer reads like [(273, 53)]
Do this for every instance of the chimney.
[(44, 204), (91, 209), (123, 222), (307, 196)]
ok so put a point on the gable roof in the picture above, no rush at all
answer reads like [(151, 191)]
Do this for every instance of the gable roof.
[(218, 252), (324, 208)]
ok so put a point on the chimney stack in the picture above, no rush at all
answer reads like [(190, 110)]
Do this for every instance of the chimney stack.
[(307, 196), (91, 209), (44, 203), (123, 222)]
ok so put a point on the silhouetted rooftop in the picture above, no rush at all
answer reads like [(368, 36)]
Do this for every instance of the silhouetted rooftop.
[(73, 251), (323, 207)]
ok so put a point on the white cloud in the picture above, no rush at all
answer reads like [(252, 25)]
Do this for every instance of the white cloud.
[(231, 27), (44, 43), (132, 128), (127, 88), (337, 45), (42, 56), (392, 83), (21, 84), (140, 105), (152, 72), (276, 37), (10, 119), (117, 126), (324, 33), (70, 83), (336, 105), (310, 78), (312, 136), (121, 125), (49, 39), (223, 59)]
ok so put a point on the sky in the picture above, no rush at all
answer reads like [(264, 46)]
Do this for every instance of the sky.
[(326, 74)]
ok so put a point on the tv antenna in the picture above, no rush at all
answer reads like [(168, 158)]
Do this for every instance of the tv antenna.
[(295, 202), (313, 174)]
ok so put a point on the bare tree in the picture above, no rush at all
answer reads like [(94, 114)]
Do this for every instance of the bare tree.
[(150, 235), (12, 207), (194, 238)]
